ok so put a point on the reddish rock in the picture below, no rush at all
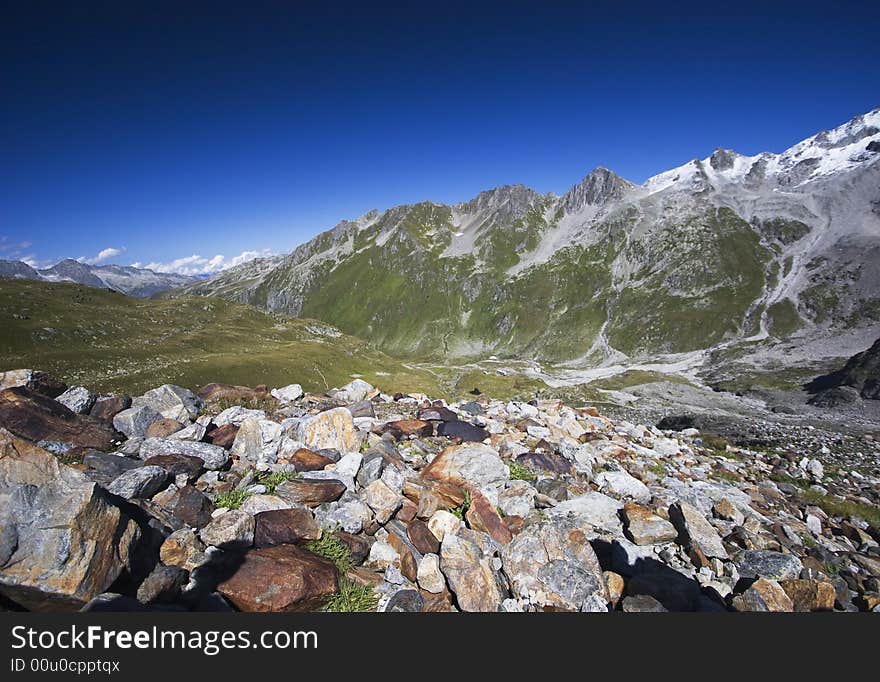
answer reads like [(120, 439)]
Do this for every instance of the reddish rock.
[(107, 407), (546, 461), (358, 545), (310, 492), (407, 511), (422, 538), (163, 428), (308, 460), (192, 507), (178, 464), (223, 436), (408, 427), (34, 417), (285, 527), (280, 578), (482, 516), (809, 595), (33, 379)]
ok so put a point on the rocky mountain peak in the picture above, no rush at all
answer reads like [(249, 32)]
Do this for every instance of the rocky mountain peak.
[(722, 159), (600, 186)]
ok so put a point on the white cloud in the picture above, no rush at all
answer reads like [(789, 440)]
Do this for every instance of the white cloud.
[(199, 265), (103, 254)]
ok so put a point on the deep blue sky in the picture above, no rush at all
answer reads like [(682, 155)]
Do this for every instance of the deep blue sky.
[(169, 131)]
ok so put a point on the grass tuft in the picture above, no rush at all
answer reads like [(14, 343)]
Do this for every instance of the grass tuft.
[(232, 499), (518, 472)]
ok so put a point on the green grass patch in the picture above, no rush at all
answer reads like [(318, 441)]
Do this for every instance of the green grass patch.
[(352, 597), (332, 548), (462, 509), (272, 481), (833, 506), (232, 499), (518, 472)]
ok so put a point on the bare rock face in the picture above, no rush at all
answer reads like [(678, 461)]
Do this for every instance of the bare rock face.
[(34, 417), (63, 541), (280, 578), (172, 402)]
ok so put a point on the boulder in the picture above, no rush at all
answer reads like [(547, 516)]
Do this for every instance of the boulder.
[(429, 575), (329, 429), (172, 402), (762, 563), (696, 531), (162, 428), (644, 527), (471, 575), (257, 441), (552, 565), (103, 467), (142, 482), (382, 500), (304, 459), (77, 399), (175, 465), (482, 516), (469, 464), (594, 509), (232, 530), (310, 493), (263, 503), (135, 421), (36, 418), (285, 526), (63, 540), (463, 432), (620, 483), (108, 406), (223, 436), (213, 456), (352, 392), (763, 596), (809, 595), (163, 584), (287, 394), (236, 415), (280, 578), (183, 549), (192, 506)]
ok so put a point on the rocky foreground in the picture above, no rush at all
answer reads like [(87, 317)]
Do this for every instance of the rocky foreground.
[(259, 500)]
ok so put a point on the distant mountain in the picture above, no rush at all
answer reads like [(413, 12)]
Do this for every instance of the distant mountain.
[(773, 256), (131, 281)]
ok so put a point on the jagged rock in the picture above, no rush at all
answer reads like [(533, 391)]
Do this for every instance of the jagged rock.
[(285, 526), (861, 373), (107, 407), (257, 441), (726, 510), (329, 429), (214, 457), (311, 493), (103, 467), (35, 380), (696, 531), (143, 481), (642, 603), (172, 402), (622, 484), (63, 541), (517, 499), (256, 504), (352, 392), (194, 432), (162, 585), (36, 418), (482, 516), (408, 427), (763, 595), (304, 459), (809, 595), (280, 578), (472, 463), (237, 415), (223, 436), (442, 523), (382, 500), (545, 461), (136, 420), (422, 538), (232, 530), (287, 394), (77, 399), (192, 507), (768, 564), (183, 549), (471, 574), (553, 565), (350, 516), (594, 509), (162, 428), (644, 527)]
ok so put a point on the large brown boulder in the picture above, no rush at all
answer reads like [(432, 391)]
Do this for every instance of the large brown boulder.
[(36, 418), (280, 578), (212, 393), (62, 539)]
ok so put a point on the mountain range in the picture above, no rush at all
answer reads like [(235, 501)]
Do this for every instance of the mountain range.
[(131, 281), (772, 254)]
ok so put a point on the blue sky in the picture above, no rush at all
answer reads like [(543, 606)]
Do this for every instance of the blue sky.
[(154, 132)]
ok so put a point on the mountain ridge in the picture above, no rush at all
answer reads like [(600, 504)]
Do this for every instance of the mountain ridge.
[(767, 249)]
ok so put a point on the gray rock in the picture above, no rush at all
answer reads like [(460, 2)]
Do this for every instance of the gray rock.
[(213, 456), (77, 399), (231, 530), (350, 516), (257, 441), (622, 484), (236, 415), (642, 603), (696, 530), (288, 393), (142, 482), (761, 563), (172, 402), (135, 421), (471, 574), (162, 585), (595, 509)]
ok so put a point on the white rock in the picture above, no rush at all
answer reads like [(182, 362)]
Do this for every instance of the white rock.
[(288, 393)]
